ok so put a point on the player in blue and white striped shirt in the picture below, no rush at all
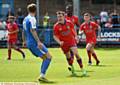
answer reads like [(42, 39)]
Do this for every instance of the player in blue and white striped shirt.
[(33, 43)]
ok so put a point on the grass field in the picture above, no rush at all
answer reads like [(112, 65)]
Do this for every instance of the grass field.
[(19, 70)]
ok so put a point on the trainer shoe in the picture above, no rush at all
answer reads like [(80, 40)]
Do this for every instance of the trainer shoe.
[(89, 63), (71, 68), (97, 63), (43, 79), (8, 58), (23, 55), (84, 73)]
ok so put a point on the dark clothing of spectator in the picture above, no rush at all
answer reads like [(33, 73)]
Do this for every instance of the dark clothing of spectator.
[(20, 17), (115, 21)]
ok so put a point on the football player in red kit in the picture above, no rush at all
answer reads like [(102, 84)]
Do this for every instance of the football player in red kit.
[(74, 19), (66, 37), (12, 29), (89, 28), (69, 16)]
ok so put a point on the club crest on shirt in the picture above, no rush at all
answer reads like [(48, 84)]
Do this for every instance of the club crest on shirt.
[(84, 27), (90, 27), (60, 29), (68, 27)]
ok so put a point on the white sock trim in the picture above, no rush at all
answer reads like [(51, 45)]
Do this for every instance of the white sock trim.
[(42, 75)]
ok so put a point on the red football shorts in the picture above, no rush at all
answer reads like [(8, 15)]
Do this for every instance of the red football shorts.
[(66, 47), (12, 41)]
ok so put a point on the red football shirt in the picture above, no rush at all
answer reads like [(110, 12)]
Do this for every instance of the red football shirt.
[(90, 31), (65, 32), (11, 28), (73, 19)]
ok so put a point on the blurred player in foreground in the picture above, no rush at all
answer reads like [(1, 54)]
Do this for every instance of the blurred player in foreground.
[(12, 36), (74, 19), (33, 43), (66, 37), (89, 29)]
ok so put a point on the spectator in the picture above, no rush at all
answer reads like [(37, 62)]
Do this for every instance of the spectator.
[(98, 21), (2, 25), (46, 22), (104, 17), (109, 23), (46, 31), (115, 19), (20, 18)]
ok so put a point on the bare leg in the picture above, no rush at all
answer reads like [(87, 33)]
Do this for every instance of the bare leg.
[(79, 59), (95, 56)]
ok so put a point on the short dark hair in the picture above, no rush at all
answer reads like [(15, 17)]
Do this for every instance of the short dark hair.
[(31, 8), (60, 12), (87, 14)]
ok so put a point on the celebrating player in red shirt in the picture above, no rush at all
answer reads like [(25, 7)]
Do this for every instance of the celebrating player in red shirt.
[(74, 19), (12, 29), (89, 28), (65, 35)]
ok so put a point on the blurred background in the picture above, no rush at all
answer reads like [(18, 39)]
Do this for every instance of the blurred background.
[(104, 12)]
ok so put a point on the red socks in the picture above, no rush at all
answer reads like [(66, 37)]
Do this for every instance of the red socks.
[(9, 54), (70, 61), (95, 56), (89, 55), (19, 51), (80, 63)]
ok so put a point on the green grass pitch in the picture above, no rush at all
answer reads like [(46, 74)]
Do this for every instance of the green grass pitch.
[(19, 70)]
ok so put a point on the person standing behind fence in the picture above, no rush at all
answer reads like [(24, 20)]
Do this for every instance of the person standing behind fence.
[(103, 17), (19, 20), (46, 22), (46, 30), (115, 19), (20, 17), (109, 24)]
